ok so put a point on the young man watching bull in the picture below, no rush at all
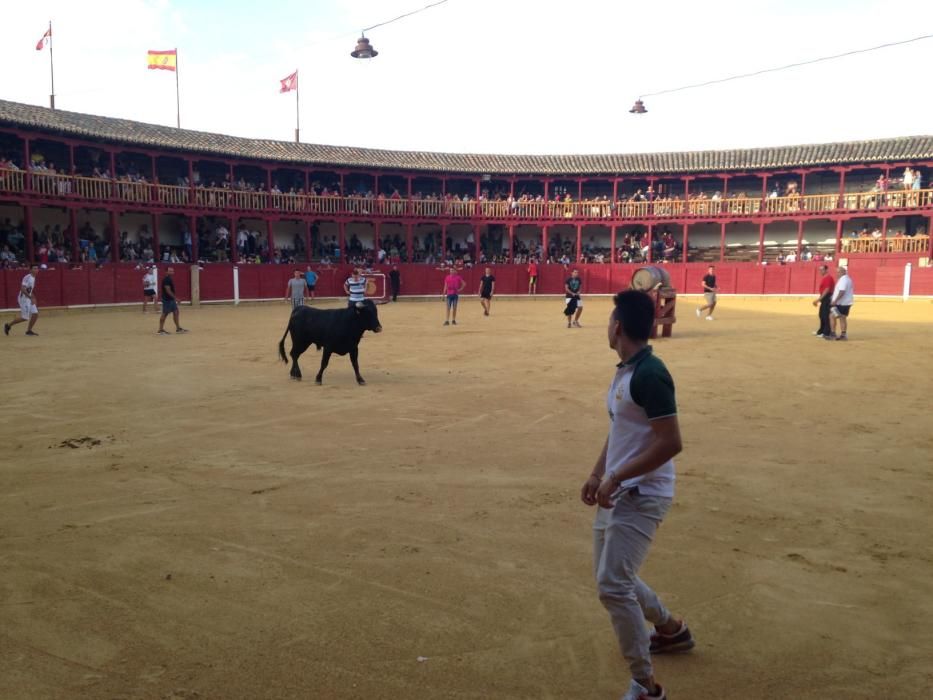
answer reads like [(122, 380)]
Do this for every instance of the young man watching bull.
[(633, 484)]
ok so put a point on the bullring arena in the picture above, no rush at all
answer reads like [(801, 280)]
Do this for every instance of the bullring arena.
[(179, 520)]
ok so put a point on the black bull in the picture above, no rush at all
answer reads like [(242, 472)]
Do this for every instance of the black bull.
[(335, 330)]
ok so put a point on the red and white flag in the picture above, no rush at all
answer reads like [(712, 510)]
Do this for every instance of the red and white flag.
[(44, 40), (290, 83)]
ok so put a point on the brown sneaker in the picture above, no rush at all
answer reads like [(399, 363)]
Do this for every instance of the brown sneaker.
[(681, 640)]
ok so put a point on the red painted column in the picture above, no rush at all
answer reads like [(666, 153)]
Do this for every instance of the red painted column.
[(512, 243), (686, 195), (764, 187), (615, 202), (722, 242), (342, 233), (580, 189), (650, 241), (270, 238), (478, 189), (686, 257), (409, 252), (512, 187), (376, 184), (30, 236), (343, 186), (803, 182), (612, 240), (579, 243), (544, 253), (477, 247), (156, 241), (195, 243), (884, 234), (443, 242), (842, 190), (761, 242), (71, 159), (838, 240), (799, 237), (377, 238), (73, 236), (114, 238), (234, 249), (26, 162), (723, 206), (309, 252)]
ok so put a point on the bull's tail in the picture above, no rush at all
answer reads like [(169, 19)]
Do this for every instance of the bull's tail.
[(282, 354)]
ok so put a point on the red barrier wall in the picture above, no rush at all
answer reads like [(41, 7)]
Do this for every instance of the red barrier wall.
[(120, 284)]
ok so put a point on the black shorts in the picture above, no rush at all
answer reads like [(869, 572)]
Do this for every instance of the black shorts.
[(169, 306), (311, 287), (485, 295), (842, 310), (149, 292)]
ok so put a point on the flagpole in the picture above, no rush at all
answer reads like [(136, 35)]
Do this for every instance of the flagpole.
[(177, 94), (297, 117), (51, 68)]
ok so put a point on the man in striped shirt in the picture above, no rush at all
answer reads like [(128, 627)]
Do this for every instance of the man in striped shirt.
[(355, 287)]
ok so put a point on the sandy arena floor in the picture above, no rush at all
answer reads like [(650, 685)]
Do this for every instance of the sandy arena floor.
[(218, 531)]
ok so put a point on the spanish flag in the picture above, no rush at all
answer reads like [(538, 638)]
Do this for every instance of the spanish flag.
[(163, 60)]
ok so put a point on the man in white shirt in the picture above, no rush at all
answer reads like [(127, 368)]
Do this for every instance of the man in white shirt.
[(150, 284), (27, 303), (633, 484), (843, 298)]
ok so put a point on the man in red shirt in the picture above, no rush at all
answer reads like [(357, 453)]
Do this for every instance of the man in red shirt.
[(827, 284), (532, 277)]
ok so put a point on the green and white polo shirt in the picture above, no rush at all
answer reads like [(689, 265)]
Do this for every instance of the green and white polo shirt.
[(641, 391)]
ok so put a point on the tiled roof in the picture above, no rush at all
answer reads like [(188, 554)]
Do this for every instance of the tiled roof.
[(139, 134)]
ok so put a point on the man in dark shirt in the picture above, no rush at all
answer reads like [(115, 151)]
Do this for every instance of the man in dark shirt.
[(487, 287), (572, 301), (395, 280), (169, 303), (827, 284), (709, 294)]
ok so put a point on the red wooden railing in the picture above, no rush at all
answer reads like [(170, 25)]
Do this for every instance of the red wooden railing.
[(45, 185)]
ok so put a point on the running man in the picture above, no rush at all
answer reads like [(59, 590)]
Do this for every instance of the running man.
[(311, 281), (295, 290), (28, 311), (572, 301), (453, 285), (355, 287), (709, 293), (169, 303), (533, 277), (149, 288), (842, 300), (633, 484), (827, 284), (487, 287)]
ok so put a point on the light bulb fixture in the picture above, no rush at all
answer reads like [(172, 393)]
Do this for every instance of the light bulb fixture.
[(364, 49), (639, 108)]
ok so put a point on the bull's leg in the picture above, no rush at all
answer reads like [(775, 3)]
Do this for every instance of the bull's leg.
[(325, 358), (354, 355), (296, 353)]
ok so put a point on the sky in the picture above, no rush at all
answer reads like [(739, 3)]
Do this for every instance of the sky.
[(487, 76)]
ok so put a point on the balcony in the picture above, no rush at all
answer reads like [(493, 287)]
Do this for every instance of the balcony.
[(41, 187)]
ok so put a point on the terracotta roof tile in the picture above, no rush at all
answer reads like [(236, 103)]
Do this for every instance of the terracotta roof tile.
[(130, 133)]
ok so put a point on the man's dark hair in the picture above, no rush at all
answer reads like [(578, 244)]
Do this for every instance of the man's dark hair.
[(635, 311)]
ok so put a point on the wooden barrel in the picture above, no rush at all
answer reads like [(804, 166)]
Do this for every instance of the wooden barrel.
[(647, 279)]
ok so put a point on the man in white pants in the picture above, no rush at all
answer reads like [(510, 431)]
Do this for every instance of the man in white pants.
[(27, 303), (633, 483)]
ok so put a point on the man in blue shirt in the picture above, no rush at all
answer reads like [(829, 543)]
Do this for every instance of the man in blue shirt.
[(311, 281)]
